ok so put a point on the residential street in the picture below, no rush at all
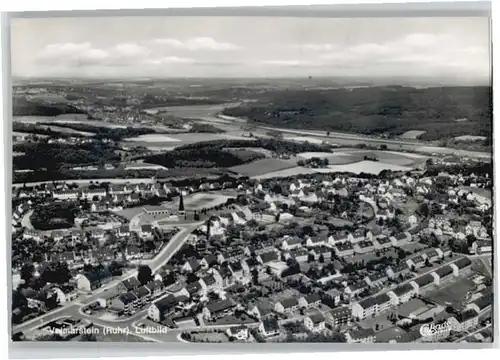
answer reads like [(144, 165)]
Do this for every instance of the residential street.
[(73, 308)]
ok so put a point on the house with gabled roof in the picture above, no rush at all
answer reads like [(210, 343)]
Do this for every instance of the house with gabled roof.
[(415, 262), (290, 243), (269, 327), (218, 308), (93, 279), (376, 279), (310, 301), (343, 249), (339, 237), (442, 273), (402, 294), (191, 265), (465, 320), (126, 303), (129, 284), (268, 257), (299, 255), (209, 261), (315, 322), (262, 309), (382, 242), (372, 305), (287, 305), (461, 265), (155, 288), (162, 308), (355, 288), (208, 282), (357, 235), (422, 282), (316, 241), (360, 335), (481, 304), (321, 251)]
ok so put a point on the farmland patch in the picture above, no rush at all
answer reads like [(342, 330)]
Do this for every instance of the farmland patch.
[(262, 166)]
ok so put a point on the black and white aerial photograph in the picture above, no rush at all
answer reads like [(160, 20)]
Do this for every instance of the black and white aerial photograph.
[(251, 179)]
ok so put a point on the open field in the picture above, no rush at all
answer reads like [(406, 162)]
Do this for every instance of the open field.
[(310, 155), (261, 167), (454, 294), (170, 140), (66, 119), (366, 166), (142, 165), (199, 201), (311, 140), (412, 134), (153, 138), (129, 213), (65, 130), (348, 156)]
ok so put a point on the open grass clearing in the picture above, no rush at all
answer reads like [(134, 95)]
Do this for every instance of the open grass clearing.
[(153, 138), (129, 213), (454, 293), (66, 130)]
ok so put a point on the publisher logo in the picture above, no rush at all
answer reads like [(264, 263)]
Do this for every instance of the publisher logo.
[(429, 330)]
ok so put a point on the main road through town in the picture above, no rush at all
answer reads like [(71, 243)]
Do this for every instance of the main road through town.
[(73, 308)]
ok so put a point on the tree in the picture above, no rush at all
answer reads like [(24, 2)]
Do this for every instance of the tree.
[(321, 258), (255, 276), (145, 274), (27, 272)]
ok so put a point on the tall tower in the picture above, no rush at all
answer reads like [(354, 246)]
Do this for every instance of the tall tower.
[(181, 202), (208, 228)]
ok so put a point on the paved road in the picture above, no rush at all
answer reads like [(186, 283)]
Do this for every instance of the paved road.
[(88, 181), (388, 288), (472, 333)]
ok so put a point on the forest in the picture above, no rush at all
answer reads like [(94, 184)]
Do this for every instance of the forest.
[(442, 112), (24, 107), (42, 155)]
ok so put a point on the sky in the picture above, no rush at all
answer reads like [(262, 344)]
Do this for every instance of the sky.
[(124, 47)]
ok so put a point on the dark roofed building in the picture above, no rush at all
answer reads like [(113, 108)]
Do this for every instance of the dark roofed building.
[(423, 281), (444, 271), (130, 284), (269, 327), (218, 308), (462, 263), (268, 257), (161, 308)]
